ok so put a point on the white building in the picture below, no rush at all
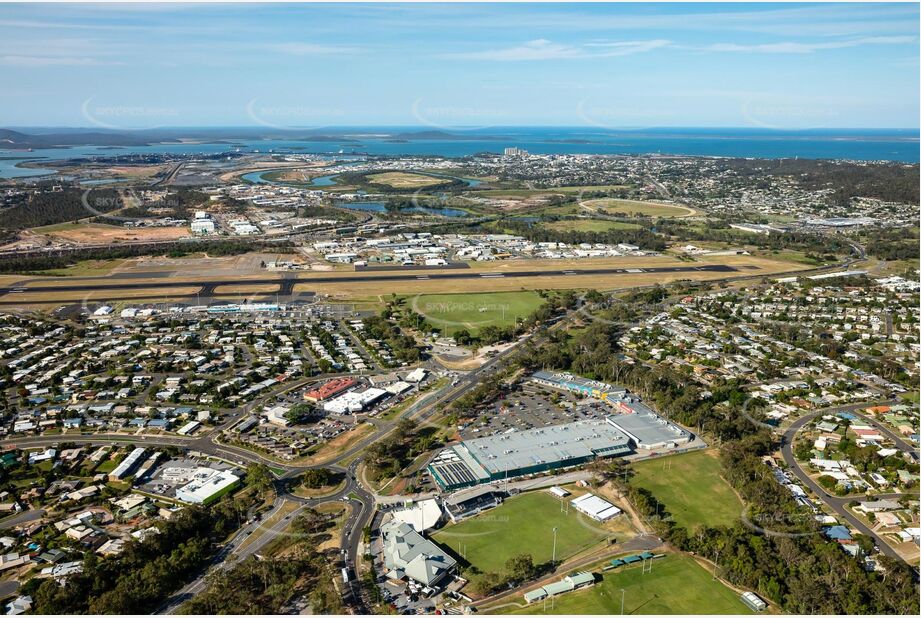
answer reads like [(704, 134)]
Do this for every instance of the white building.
[(276, 415), (353, 401), (421, 515), (207, 485), (595, 507), (202, 226), (128, 464)]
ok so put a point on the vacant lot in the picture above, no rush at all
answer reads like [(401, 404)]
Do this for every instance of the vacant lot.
[(639, 209), (96, 233), (405, 180), (453, 312), (588, 225), (523, 525), (87, 268), (691, 488), (676, 585)]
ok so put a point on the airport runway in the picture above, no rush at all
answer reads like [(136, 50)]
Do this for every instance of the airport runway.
[(286, 286)]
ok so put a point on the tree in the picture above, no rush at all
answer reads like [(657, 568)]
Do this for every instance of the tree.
[(463, 337), (308, 522), (485, 583), (260, 477), (521, 567), (299, 413), (316, 478)]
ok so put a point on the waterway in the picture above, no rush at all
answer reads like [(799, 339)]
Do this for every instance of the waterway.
[(855, 144)]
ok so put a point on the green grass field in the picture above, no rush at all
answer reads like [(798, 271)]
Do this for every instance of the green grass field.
[(639, 209), (86, 268), (523, 525), (453, 312), (676, 585), (589, 225), (691, 488)]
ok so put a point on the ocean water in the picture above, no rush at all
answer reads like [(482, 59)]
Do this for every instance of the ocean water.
[(857, 144)]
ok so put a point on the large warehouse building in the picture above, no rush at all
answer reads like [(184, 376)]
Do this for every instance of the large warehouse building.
[(526, 452), (495, 458), (650, 431)]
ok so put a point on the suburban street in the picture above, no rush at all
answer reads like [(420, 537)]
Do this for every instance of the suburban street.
[(836, 503)]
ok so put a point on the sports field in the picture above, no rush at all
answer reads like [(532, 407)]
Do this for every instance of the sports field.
[(405, 180), (452, 312), (639, 209), (691, 488), (676, 585), (522, 525)]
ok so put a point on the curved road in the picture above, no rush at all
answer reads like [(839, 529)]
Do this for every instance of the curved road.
[(837, 503)]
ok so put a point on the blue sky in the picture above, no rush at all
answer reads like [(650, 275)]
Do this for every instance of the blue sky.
[(788, 66)]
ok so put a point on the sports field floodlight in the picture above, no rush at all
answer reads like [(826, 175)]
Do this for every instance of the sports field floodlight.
[(553, 558)]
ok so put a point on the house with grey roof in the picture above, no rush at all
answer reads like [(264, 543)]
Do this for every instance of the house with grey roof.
[(408, 554)]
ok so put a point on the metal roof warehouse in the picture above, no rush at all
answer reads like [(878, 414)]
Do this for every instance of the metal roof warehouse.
[(526, 452), (649, 431)]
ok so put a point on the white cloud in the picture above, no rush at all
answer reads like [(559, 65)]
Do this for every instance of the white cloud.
[(542, 49), (794, 47)]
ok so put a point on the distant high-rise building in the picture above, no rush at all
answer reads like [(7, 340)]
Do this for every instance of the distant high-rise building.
[(515, 152)]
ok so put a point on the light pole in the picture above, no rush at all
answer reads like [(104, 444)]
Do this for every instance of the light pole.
[(622, 593), (553, 559)]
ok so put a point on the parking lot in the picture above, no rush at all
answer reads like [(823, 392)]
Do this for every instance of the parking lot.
[(532, 406)]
